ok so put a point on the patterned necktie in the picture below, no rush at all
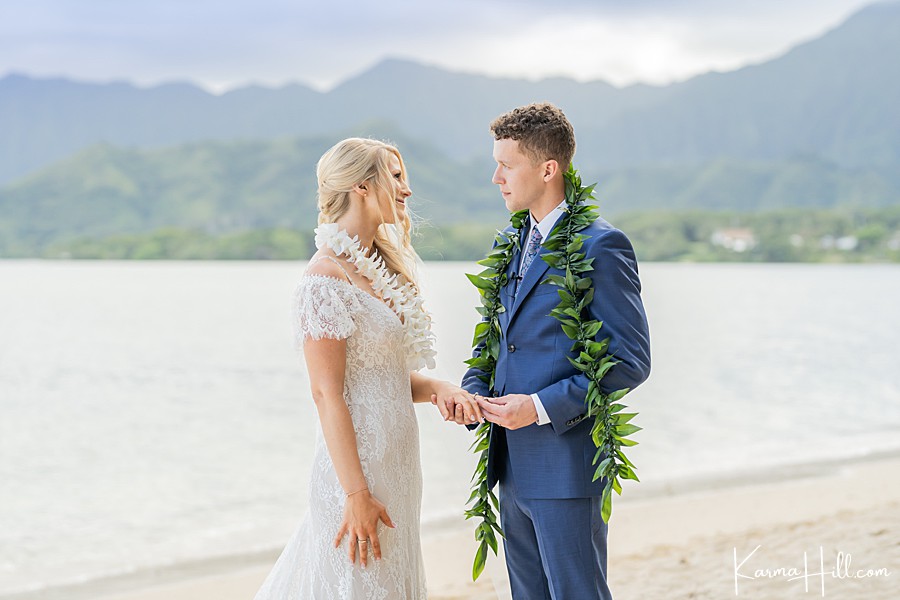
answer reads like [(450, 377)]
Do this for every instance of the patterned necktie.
[(534, 244)]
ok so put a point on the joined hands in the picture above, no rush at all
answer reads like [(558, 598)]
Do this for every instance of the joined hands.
[(513, 411)]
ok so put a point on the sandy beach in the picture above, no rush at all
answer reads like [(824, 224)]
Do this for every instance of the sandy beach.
[(681, 542)]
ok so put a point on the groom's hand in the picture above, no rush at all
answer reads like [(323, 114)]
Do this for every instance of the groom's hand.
[(512, 412)]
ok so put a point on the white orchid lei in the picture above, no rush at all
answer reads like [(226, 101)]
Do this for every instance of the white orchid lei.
[(403, 299)]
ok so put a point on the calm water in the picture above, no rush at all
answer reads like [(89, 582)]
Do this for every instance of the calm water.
[(155, 412)]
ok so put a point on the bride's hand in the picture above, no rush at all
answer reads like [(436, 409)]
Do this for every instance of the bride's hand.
[(362, 511), (456, 404)]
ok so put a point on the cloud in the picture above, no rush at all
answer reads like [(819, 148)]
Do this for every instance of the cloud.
[(225, 43), (642, 41), (619, 51)]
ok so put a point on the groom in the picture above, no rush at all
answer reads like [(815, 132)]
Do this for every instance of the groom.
[(541, 449)]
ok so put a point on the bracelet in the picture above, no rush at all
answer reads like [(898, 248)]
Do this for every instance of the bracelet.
[(365, 489)]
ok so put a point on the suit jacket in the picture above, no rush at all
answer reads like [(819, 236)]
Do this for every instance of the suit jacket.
[(554, 460)]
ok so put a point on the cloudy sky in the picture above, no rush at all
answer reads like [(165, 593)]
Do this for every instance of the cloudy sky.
[(222, 44)]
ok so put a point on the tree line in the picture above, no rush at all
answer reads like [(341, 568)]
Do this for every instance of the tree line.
[(794, 235)]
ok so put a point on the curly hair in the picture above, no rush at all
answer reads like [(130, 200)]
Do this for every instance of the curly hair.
[(542, 130)]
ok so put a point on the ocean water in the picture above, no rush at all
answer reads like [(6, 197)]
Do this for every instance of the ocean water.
[(156, 413)]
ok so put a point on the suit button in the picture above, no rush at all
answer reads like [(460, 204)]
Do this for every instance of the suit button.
[(511, 348)]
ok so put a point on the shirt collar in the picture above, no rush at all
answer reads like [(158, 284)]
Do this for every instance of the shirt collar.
[(547, 223)]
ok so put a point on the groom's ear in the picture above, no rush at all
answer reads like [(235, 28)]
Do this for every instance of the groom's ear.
[(551, 170)]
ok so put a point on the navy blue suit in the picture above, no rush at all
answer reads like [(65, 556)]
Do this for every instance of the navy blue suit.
[(549, 507)]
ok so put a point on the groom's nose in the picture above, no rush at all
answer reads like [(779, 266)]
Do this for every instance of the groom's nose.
[(496, 177)]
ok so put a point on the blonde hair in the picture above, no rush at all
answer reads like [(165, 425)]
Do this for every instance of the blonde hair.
[(354, 161)]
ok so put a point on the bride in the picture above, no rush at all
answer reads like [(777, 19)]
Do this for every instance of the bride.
[(364, 333)]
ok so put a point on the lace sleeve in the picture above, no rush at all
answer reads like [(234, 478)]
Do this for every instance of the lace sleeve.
[(323, 308)]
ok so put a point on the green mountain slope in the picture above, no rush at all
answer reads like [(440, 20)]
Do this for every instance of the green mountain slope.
[(223, 188), (214, 187)]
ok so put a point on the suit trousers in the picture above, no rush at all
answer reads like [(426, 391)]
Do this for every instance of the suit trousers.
[(555, 548)]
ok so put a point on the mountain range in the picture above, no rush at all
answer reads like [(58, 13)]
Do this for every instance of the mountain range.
[(815, 127), (833, 97)]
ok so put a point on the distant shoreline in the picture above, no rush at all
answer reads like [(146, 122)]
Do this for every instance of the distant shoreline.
[(697, 236)]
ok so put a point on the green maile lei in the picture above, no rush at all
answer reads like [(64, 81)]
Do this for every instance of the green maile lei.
[(611, 426)]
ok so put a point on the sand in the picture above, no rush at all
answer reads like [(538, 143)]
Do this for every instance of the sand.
[(676, 542)]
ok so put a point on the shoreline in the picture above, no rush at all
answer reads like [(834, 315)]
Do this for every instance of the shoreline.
[(767, 474), (648, 522)]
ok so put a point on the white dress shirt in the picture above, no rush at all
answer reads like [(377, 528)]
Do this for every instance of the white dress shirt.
[(544, 227)]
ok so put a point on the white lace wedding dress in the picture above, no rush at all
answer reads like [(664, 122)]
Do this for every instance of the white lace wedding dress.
[(377, 391)]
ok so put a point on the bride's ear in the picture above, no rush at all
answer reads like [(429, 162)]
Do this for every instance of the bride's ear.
[(361, 189)]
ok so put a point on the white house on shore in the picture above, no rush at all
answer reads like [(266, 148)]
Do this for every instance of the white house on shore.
[(736, 239), (844, 243)]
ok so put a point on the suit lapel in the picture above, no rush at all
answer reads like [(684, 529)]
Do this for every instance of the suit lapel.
[(534, 276), (506, 294)]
